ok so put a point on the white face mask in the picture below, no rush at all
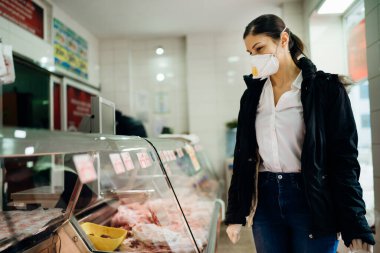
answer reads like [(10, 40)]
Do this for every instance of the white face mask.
[(264, 65)]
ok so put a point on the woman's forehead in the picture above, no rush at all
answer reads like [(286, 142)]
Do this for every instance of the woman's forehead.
[(252, 40)]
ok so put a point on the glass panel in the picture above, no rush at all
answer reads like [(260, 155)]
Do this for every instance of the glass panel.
[(193, 184), (26, 101), (357, 65), (135, 198)]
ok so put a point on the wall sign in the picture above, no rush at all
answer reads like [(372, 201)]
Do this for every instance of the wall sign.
[(24, 13), (70, 50)]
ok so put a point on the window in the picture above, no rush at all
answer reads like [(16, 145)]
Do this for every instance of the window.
[(365, 121)]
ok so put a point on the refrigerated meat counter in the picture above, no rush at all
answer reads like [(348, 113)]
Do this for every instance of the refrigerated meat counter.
[(72, 192)]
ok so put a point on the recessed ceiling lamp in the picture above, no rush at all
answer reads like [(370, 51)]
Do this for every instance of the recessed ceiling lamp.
[(160, 51), (334, 6), (160, 77)]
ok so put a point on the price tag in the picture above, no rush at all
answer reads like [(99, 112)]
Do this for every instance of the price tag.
[(148, 159), (167, 155), (180, 152), (172, 155), (144, 160), (85, 168), (193, 157), (127, 160), (117, 163), (167, 169), (162, 157)]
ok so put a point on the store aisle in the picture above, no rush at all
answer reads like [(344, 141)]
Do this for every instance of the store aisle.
[(245, 245)]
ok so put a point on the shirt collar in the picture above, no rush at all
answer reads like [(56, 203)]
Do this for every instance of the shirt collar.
[(298, 81)]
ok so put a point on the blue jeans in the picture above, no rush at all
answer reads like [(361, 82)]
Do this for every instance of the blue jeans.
[(282, 221)]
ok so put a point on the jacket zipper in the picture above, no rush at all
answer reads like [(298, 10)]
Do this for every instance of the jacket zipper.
[(252, 212)]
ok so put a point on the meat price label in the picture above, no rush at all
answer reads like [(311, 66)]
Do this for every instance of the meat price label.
[(127, 159), (179, 152), (85, 168), (117, 163), (144, 160)]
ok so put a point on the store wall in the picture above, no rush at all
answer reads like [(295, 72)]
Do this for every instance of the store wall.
[(372, 10), (327, 48), (128, 75), (216, 64)]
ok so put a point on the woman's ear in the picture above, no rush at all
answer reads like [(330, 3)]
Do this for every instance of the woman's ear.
[(284, 39)]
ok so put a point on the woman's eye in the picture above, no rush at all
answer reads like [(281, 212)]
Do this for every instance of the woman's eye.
[(258, 49)]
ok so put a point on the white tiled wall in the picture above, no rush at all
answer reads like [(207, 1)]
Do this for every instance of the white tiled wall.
[(373, 55), (128, 77)]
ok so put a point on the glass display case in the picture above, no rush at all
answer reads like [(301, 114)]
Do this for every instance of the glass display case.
[(74, 192), (134, 196), (38, 184), (195, 187)]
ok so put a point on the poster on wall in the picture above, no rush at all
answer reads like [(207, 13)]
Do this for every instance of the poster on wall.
[(78, 105), (70, 50), (24, 13)]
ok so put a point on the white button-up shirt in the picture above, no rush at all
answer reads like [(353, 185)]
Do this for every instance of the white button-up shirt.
[(280, 129)]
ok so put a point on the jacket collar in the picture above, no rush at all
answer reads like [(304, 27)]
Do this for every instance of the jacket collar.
[(305, 64)]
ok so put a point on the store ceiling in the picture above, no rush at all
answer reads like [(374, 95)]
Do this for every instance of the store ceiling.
[(120, 18)]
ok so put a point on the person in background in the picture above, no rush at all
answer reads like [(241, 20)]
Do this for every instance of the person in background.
[(126, 125), (296, 173)]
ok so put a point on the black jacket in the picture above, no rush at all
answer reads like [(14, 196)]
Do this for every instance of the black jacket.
[(330, 168)]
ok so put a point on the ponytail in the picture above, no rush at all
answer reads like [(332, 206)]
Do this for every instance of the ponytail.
[(296, 46)]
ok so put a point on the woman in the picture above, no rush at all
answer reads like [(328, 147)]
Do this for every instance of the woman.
[(295, 171)]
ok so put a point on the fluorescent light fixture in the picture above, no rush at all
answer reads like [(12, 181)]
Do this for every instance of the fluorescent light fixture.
[(160, 77), (20, 134), (160, 51), (334, 6)]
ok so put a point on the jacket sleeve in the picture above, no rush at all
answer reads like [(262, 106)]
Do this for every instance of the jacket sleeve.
[(342, 154), (233, 215)]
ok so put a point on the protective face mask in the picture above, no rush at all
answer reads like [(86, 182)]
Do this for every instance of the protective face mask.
[(264, 65)]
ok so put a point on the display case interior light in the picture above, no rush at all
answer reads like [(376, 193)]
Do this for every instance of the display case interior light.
[(334, 6), (160, 51)]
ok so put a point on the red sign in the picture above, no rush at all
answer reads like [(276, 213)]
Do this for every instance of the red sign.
[(24, 13), (57, 106), (357, 54), (78, 105)]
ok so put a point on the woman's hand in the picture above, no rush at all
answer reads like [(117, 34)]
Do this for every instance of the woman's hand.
[(358, 246), (233, 232)]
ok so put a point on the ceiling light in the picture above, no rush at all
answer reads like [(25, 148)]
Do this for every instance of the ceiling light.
[(334, 6), (160, 77), (44, 60), (160, 51)]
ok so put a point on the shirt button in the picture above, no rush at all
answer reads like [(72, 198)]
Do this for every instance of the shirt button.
[(279, 176), (311, 236)]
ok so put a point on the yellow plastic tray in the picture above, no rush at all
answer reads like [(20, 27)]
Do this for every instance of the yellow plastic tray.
[(95, 231)]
